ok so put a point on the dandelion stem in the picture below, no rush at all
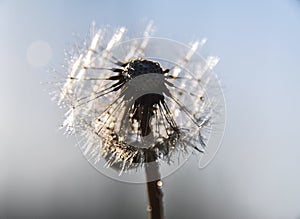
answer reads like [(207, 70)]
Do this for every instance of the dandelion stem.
[(155, 194)]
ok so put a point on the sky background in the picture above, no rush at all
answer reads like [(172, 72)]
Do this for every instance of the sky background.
[(256, 173)]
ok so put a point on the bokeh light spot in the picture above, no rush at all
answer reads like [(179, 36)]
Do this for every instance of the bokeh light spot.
[(39, 53)]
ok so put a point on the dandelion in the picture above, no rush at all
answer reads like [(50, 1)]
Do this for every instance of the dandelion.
[(141, 103)]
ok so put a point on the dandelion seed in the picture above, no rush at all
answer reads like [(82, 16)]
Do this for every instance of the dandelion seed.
[(142, 101)]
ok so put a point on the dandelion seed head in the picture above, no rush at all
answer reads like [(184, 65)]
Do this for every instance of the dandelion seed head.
[(141, 101)]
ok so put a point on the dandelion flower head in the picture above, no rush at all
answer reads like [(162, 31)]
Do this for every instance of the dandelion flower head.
[(133, 102)]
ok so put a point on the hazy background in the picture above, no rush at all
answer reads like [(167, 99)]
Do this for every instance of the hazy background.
[(255, 175)]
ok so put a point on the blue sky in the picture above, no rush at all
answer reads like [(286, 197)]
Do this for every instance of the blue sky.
[(254, 175)]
